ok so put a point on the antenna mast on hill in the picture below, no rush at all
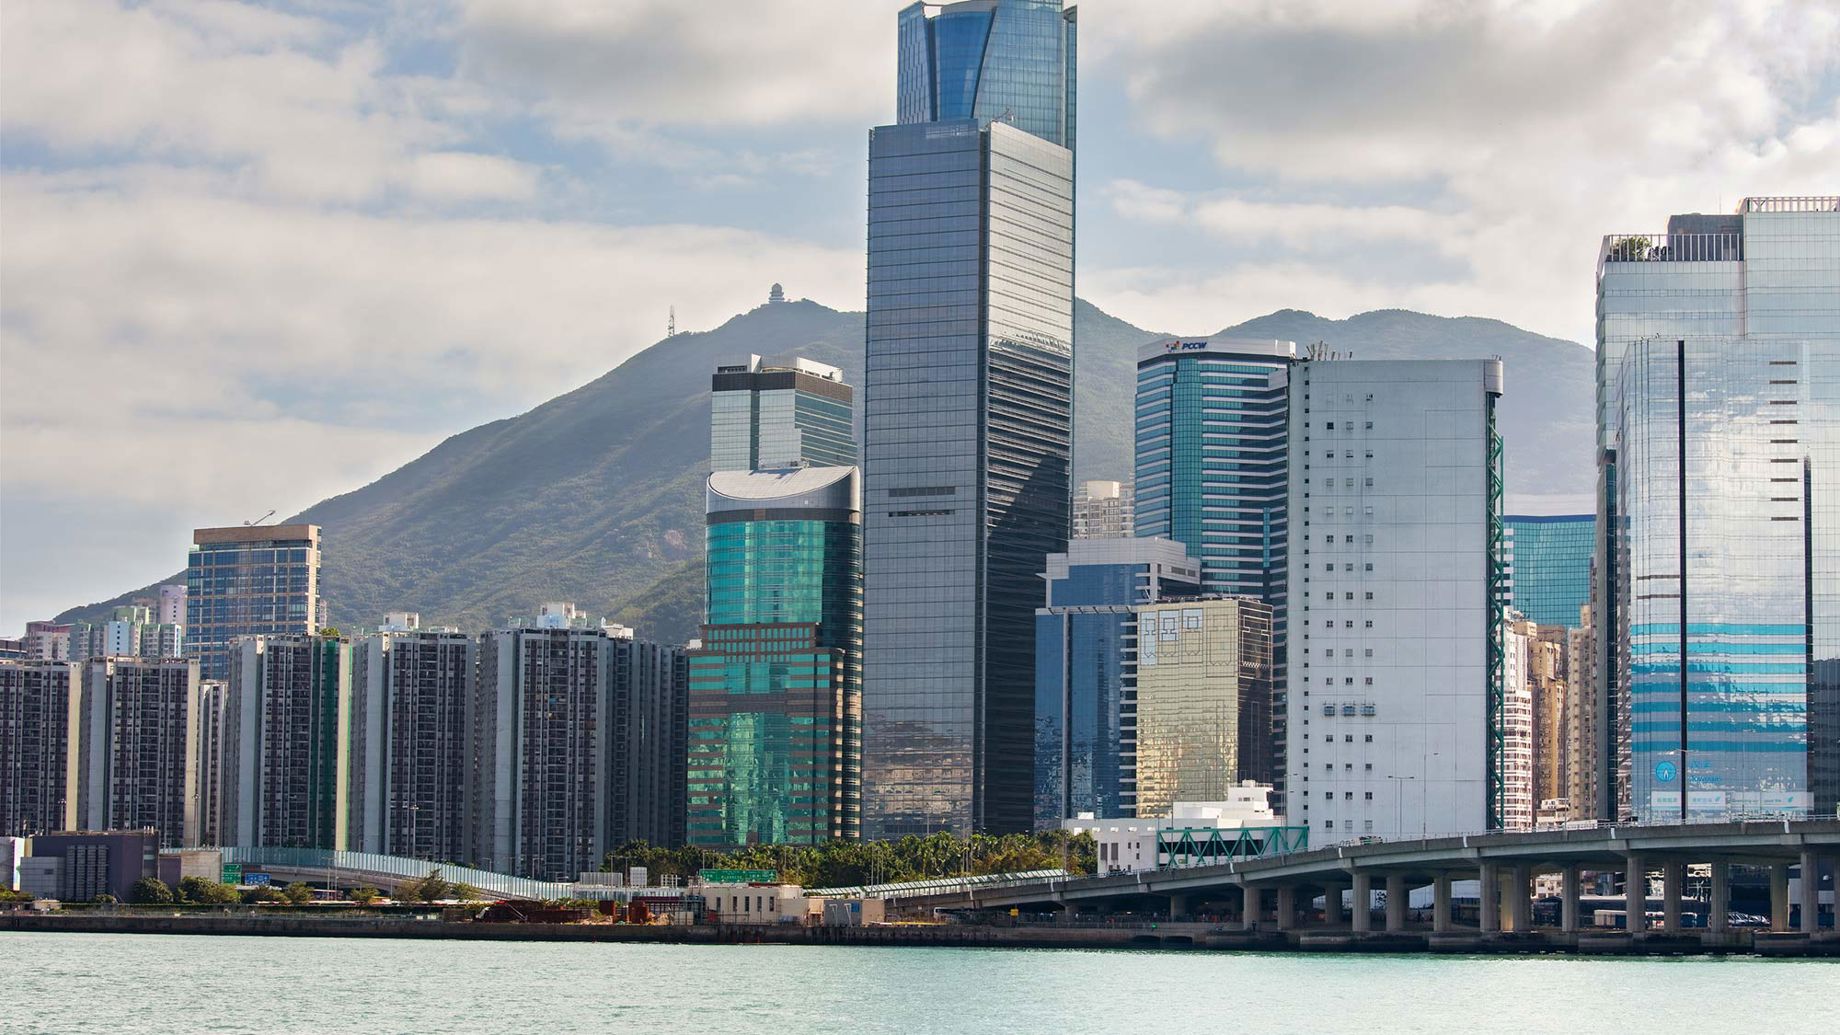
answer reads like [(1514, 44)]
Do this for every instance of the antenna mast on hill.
[(670, 326)]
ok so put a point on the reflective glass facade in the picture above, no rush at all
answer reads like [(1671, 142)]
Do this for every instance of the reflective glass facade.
[(775, 690), (249, 580), (1550, 562), (968, 424), (766, 415), (1203, 690), (1719, 571), (1009, 61), (1085, 649)]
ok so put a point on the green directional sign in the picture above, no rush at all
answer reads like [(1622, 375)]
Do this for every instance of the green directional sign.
[(233, 873), (739, 876)]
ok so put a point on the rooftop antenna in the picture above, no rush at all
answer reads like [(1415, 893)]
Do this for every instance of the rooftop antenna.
[(261, 519), (670, 326)]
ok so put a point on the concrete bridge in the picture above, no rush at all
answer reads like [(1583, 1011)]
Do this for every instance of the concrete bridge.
[(1267, 894)]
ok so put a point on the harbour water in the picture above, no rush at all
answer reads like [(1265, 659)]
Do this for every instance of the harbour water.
[(139, 984)]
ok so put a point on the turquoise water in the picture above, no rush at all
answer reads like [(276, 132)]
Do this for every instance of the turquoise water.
[(150, 983)]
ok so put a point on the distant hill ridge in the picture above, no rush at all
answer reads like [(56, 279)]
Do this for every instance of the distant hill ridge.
[(596, 495)]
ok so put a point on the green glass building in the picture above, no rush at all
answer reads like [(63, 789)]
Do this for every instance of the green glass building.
[(776, 687)]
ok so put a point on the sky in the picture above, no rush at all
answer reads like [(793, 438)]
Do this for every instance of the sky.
[(255, 255)]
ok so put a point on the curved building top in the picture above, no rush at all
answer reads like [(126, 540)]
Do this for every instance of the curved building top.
[(795, 493)]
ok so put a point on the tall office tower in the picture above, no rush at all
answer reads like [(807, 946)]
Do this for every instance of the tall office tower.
[(1396, 592), (781, 412), (40, 730), (140, 747), (1549, 687), (1517, 725), (47, 641), (213, 700), (1085, 663), (1549, 565), (652, 714), (1718, 560), (411, 758), (1582, 769), (543, 732), (249, 580), (775, 689), (128, 632), (286, 743), (1202, 689), (968, 410), (171, 609), (1212, 467), (1102, 510)]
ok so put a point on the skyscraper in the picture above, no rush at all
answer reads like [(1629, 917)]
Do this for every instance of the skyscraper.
[(249, 580), (775, 692), (1212, 472), (140, 747), (1719, 530), (1085, 664), (285, 743), (782, 412), (1396, 589), (412, 697), (1549, 560), (651, 718), (40, 730), (1102, 510), (968, 409)]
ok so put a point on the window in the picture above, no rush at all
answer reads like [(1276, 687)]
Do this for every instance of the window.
[(1368, 482), (1329, 796), (1370, 738), (1349, 738), (1369, 594), (1328, 824), (1369, 652), (1369, 425), (1369, 624), (1369, 767), (1349, 540), (1347, 795), (1369, 566), (1368, 680), (1329, 426)]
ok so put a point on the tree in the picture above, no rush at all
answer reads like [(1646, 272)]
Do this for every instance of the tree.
[(150, 891), (431, 888), (297, 894), (205, 890), (263, 893), (363, 896), (464, 892), (331, 632)]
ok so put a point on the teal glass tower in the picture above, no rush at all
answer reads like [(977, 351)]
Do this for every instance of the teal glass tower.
[(775, 689), (1550, 563), (968, 409)]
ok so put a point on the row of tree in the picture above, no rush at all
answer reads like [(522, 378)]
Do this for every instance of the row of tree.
[(837, 864), (202, 891)]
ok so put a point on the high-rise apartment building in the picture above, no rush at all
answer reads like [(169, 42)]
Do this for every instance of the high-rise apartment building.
[(286, 743), (170, 609), (1517, 795), (775, 689), (1085, 667), (46, 641), (782, 412), (128, 632), (1549, 565), (1718, 561), (968, 408), (1102, 510), (1198, 720), (412, 696), (249, 580), (213, 703), (40, 729), (652, 714), (139, 766), (1396, 590), (1582, 768)]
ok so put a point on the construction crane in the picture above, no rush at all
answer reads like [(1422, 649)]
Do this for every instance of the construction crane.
[(261, 519)]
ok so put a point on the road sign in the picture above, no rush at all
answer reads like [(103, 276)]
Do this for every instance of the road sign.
[(233, 873), (255, 879), (738, 876)]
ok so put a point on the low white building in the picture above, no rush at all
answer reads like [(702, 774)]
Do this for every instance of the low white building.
[(757, 903), (1195, 832)]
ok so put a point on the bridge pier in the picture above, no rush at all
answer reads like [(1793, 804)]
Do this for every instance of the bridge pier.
[(1520, 899), (1779, 896), (1363, 904), (1673, 875), (1811, 892), (1720, 905), (1489, 916), (1396, 896), (1332, 906), (1635, 895), (1251, 906), (1287, 907), (1568, 900), (1440, 904), (1178, 906)]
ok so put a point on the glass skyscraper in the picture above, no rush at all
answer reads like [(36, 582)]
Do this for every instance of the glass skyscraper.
[(1085, 646), (1550, 562), (782, 412), (967, 409), (1719, 547), (249, 580), (775, 699), (1212, 468)]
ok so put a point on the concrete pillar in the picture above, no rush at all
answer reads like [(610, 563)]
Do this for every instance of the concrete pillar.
[(1178, 906), (1396, 896), (1635, 895), (1779, 896), (1251, 904), (1811, 893), (1719, 905), (1520, 898), (1440, 904), (1490, 912), (1673, 875), (1568, 901), (1363, 903), (1287, 907), (1332, 906)]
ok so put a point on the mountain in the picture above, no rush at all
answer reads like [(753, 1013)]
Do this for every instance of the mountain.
[(596, 495)]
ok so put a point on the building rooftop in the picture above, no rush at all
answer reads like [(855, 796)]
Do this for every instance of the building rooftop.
[(1260, 348)]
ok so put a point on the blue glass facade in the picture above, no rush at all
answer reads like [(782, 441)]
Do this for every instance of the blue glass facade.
[(249, 580), (1550, 557), (1007, 61), (1719, 420)]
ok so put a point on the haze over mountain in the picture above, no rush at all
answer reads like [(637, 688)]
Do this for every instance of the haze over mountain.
[(596, 495)]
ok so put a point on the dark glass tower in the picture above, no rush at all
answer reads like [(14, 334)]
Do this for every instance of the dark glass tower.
[(968, 407)]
